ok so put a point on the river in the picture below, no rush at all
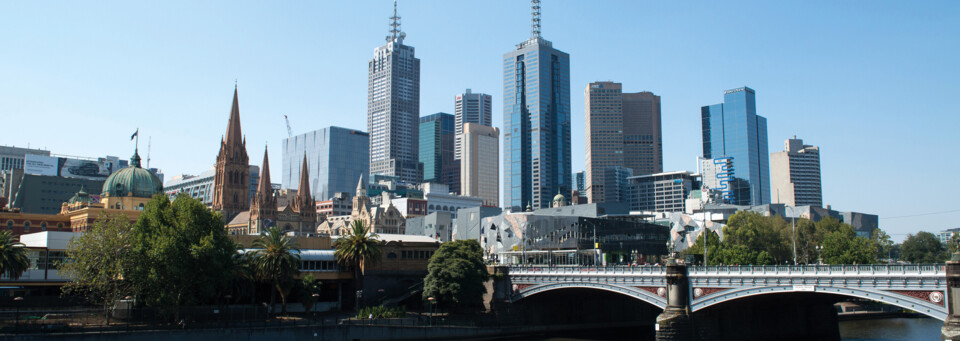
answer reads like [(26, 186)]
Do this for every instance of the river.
[(887, 329)]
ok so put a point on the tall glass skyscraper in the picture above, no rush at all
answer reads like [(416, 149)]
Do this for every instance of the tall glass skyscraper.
[(336, 157), (536, 122), (733, 129), (393, 108), (436, 148)]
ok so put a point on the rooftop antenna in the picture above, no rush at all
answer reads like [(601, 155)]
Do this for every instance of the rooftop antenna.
[(395, 33), (535, 18), (149, 142)]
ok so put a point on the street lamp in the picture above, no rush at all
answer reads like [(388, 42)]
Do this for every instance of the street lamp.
[(820, 254), (313, 307), (432, 301), (17, 300)]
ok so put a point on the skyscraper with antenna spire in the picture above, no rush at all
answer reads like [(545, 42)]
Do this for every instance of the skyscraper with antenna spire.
[(393, 108), (536, 121)]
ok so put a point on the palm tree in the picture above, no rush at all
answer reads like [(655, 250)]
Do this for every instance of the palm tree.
[(13, 256), (275, 261), (359, 246)]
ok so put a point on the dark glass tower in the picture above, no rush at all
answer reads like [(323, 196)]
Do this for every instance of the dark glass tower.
[(733, 129), (536, 122)]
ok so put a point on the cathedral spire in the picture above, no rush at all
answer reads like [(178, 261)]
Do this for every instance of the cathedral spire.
[(263, 188), (234, 135), (303, 191)]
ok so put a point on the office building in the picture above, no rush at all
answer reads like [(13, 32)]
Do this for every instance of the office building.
[(795, 174), (439, 199), (437, 150), (471, 107), (480, 163), (661, 192), (393, 108), (622, 130), (340, 204), (536, 122), (336, 158), (616, 185), (200, 186), (14, 157), (733, 129)]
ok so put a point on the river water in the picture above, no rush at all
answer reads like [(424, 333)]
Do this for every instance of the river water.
[(887, 329)]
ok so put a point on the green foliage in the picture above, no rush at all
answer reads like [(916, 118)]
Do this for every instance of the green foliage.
[(923, 247), (100, 260), (842, 246), (379, 312), (714, 248), (309, 286), (456, 274), (359, 247), (181, 253), (954, 243), (759, 233), (13, 256), (883, 243), (274, 262)]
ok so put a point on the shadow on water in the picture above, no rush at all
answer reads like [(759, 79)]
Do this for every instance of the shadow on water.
[(891, 329), (645, 333)]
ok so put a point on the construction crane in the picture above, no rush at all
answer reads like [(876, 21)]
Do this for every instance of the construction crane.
[(149, 142), (289, 130)]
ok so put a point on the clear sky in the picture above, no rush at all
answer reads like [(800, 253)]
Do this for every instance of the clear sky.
[(873, 83)]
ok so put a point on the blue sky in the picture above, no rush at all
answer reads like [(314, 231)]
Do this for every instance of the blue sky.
[(870, 82)]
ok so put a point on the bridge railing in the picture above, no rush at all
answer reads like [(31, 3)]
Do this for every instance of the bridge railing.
[(876, 269), (588, 270)]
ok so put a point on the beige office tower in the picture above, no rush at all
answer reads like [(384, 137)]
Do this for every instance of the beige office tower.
[(622, 130), (795, 174), (480, 163)]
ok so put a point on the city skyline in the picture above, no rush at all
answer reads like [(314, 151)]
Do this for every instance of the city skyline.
[(163, 79)]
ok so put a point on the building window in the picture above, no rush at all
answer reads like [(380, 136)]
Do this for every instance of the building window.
[(26, 226), (43, 226), (9, 224), (391, 255), (59, 225), (141, 206)]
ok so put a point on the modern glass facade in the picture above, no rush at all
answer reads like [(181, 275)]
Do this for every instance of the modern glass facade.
[(536, 124), (733, 129), (471, 107), (336, 157), (437, 136)]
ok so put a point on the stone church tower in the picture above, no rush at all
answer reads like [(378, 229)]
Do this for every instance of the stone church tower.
[(304, 204), (231, 184), (263, 207)]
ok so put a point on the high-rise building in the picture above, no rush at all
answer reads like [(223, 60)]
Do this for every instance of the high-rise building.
[(623, 130), (436, 148), (795, 174), (616, 185), (336, 157), (479, 164), (536, 122), (393, 108), (733, 129), (471, 107), (642, 139), (231, 184)]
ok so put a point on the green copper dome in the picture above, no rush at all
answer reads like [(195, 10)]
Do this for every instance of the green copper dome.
[(81, 197), (559, 197), (132, 180)]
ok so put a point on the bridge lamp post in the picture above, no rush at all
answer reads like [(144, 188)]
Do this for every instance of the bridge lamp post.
[(820, 254), (17, 300)]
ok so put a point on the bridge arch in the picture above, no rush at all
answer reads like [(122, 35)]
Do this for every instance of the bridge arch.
[(903, 301), (640, 294)]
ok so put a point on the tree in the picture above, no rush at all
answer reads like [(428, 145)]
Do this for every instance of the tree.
[(100, 261), (883, 243), (309, 286), (455, 275), (714, 248), (275, 262), (843, 246), (183, 254), (357, 248), (923, 247), (13, 256), (759, 233)]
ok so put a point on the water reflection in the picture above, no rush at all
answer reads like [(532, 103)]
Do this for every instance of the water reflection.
[(891, 329)]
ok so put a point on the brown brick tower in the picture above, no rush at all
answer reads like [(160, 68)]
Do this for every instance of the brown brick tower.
[(231, 189)]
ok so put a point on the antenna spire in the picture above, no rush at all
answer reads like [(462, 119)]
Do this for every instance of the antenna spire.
[(395, 33), (535, 18)]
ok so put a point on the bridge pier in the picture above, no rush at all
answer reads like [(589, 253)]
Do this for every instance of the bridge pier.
[(676, 322), (951, 327)]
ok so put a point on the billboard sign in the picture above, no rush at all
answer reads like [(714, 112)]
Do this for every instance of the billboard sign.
[(40, 165)]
